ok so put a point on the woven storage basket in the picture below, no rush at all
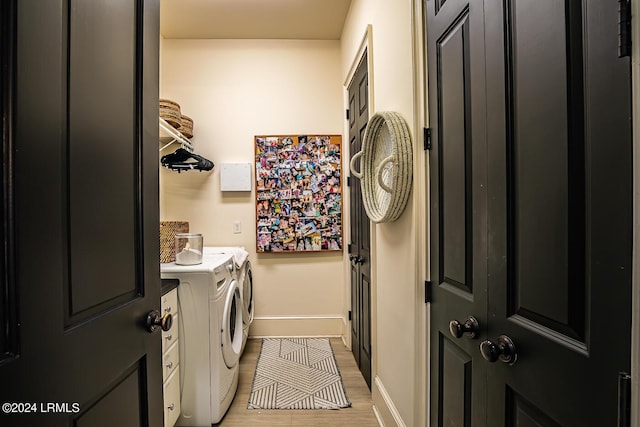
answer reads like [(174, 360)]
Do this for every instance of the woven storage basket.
[(187, 126), (170, 112), (386, 166), (168, 231)]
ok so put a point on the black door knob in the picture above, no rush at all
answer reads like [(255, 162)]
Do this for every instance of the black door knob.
[(155, 319), (356, 259), (503, 348), (470, 327)]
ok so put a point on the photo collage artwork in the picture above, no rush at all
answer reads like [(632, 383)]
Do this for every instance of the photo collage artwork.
[(298, 193)]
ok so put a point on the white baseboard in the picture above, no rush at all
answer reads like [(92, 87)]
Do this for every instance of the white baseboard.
[(344, 341), (384, 408), (346, 332), (376, 413), (297, 326)]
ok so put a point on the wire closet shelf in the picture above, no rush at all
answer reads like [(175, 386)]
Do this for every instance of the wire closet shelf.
[(174, 136)]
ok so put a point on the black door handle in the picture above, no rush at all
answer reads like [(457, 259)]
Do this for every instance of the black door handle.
[(503, 348), (470, 327), (356, 259)]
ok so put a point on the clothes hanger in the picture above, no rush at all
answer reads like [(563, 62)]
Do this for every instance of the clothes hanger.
[(182, 159)]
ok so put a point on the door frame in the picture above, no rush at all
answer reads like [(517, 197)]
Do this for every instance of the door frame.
[(635, 274), (421, 173), (422, 218), (422, 185)]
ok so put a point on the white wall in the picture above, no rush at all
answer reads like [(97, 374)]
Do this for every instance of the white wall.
[(233, 90), (398, 337)]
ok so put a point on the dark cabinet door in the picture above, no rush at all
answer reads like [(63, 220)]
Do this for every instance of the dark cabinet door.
[(80, 266)]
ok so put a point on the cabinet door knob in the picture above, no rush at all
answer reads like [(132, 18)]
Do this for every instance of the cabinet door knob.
[(170, 365), (169, 337), (167, 310), (171, 407)]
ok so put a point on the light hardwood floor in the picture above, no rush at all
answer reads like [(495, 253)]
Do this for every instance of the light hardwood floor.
[(360, 414)]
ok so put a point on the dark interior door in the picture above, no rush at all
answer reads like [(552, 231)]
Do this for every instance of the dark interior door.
[(359, 248), (560, 194), (555, 213), (80, 262), (458, 211)]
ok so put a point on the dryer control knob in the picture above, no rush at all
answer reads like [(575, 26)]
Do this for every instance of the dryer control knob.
[(230, 268)]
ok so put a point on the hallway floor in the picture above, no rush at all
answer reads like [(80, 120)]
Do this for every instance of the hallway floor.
[(359, 414)]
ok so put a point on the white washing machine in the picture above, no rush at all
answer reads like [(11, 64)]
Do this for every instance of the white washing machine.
[(210, 303), (245, 278)]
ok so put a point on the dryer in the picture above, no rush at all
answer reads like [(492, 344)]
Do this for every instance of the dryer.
[(210, 304), (245, 279)]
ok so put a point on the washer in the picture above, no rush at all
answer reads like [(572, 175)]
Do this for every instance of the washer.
[(210, 304), (245, 278)]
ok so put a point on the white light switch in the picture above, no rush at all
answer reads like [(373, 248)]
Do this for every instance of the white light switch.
[(237, 227)]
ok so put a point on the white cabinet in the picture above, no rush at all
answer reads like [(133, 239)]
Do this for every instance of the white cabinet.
[(170, 361)]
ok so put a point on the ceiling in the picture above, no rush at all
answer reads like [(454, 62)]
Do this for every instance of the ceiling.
[(253, 19)]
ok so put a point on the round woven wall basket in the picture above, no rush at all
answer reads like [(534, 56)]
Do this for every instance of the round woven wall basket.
[(386, 166)]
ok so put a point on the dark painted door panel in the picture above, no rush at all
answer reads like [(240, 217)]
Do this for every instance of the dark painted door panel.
[(559, 210), (80, 263), (359, 249), (458, 210), (531, 211)]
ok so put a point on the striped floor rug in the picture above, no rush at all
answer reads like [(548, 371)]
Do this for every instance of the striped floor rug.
[(297, 373)]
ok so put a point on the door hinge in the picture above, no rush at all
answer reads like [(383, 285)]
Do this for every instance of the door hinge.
[(427, 139), (624, 28), (428, 290), (348, 181), (349, 247), (349, 314), (624, 399), (347, 113)]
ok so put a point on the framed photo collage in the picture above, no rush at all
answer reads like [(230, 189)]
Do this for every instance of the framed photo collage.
[(298, 193)]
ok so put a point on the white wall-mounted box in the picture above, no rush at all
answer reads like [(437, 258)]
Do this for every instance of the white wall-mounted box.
[(235, 177)]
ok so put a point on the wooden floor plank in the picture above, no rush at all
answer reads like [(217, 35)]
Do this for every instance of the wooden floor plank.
[(360, 413)]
